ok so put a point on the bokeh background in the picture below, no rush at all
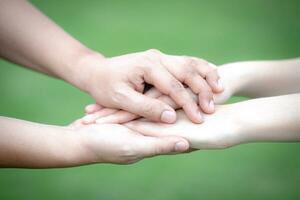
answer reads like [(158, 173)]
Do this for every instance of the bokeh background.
[(218, 30)]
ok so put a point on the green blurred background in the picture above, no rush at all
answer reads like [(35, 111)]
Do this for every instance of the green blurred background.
[(220, 31)]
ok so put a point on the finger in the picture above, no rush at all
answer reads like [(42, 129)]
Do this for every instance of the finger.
[(167, 84), (153, 93), (91, 118), (147, 107), (89, 109), (199, 86), (119, 117), (213, 79), (76, 124), (210, 72), (153, 146), (146, 128), (122, 116)]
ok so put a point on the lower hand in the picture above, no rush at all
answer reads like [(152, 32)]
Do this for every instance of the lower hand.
[(113, 143)]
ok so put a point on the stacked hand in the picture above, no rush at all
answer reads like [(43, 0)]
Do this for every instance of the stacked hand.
[(217, 131), (119, 82), (114, 143)]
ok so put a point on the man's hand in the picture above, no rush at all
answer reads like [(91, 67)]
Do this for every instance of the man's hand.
[(229, 76), (119, 82), (113, 143), (116, 82)]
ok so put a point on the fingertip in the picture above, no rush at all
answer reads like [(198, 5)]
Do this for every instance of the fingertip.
[(92, 108), (168, 116), (88, 119), (220, 85), (181, 146)]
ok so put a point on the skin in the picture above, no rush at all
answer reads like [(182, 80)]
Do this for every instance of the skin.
[(32, 145), (29, 38), (250, 79), (236, 123)]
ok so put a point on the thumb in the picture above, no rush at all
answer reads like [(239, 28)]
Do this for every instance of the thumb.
[(153, 146), (150, 108)]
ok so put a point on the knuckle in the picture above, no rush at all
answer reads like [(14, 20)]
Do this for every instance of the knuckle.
[(202, 62), (158, 150), (148, 109), (176, 87), (127, 154), (118, 96), (213, 71), (192, 62), (210, 71), (151, 58), (206, 94)]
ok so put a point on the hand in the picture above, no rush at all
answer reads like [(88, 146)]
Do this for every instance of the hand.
[(118, 82), (229, 79), (219, 130), (113, 143)]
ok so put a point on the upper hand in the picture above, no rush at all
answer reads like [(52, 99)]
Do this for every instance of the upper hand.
[(229, 79), (118, 82)]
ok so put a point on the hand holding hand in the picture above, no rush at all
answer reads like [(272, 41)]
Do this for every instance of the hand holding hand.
[(229, 79), (113, 143), (118, 82)]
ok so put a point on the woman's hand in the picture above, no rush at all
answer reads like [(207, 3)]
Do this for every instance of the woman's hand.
[(272, 119), (219, 130)]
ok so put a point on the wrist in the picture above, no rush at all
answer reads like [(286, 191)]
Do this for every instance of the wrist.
[(85, 64), (235, 123), (233, 77), (245, 120), (74, 152)]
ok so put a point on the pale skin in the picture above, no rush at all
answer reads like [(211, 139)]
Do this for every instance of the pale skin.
[(269, 119), (32, 40), (32, 145), (29, 38)]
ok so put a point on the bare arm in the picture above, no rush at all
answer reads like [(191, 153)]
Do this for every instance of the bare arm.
[(26, 144), (260, 78), (272, 119), (33, 145), (29, 38)]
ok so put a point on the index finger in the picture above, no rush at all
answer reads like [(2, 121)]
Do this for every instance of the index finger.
[(167, 84)]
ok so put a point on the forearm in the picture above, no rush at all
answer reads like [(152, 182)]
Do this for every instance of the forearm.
[(32, 145), (29, 38), (268, 119), (262, 78)]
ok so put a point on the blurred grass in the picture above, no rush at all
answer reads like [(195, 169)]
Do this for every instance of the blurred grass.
[(217, 30)]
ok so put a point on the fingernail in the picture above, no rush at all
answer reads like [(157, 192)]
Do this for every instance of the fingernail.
[(180, 146), (168, 116), (200, 118), (88, 118), (220, 84), (211, 105)]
